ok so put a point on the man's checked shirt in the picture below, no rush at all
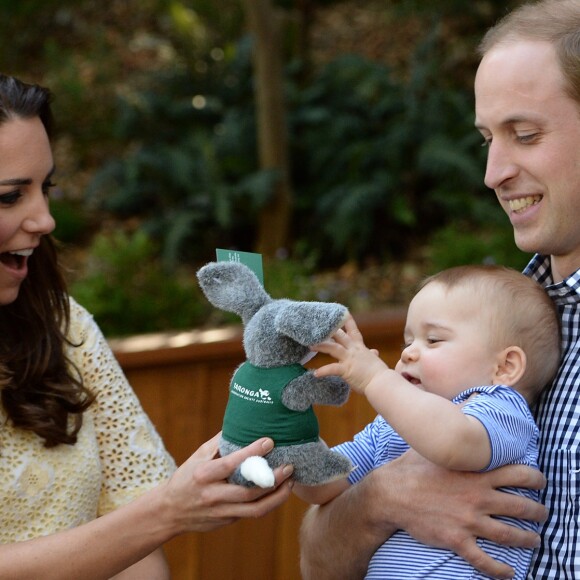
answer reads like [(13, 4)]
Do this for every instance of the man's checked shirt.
[(558, 417)]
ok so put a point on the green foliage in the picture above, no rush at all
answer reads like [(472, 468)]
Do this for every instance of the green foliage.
[(459, 244), (286, 278), (72, 220), (381, 161), (128, 291), (480, 13), (376, 160), (191, 173)]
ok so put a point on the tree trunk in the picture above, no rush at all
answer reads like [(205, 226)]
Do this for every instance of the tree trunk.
[(265, 27)]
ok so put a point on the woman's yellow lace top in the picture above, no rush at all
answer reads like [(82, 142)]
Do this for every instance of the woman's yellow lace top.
[(117, 457)]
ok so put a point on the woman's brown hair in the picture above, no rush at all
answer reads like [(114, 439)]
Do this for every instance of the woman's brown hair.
[(40, 389)]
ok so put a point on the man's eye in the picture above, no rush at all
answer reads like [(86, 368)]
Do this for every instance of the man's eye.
[(10, 198), (527, 138)]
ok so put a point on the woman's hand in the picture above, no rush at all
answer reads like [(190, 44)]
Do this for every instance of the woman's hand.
[(201, 498)]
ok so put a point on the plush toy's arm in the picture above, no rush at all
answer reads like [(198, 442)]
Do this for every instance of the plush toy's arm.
[(307, 390)]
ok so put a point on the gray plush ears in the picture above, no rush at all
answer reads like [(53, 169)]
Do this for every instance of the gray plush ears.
[(309, 323), (233, 287)]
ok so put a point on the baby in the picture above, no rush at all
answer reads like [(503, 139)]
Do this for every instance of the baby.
[(480, 344)]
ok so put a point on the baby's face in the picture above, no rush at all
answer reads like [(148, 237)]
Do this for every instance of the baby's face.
[(447, 342)]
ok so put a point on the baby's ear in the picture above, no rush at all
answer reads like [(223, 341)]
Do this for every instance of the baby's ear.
[(511, 366)]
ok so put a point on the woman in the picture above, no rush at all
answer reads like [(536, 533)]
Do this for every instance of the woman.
[(87, 489)]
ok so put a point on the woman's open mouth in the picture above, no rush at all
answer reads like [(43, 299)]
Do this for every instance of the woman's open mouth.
[(15, 260)]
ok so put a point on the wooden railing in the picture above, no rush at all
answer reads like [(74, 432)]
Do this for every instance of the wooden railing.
[(182, 381)]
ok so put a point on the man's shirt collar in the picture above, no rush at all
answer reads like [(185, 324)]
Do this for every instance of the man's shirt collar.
[(565, 292)]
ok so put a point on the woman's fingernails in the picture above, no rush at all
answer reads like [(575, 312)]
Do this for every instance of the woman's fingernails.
[(267, 445)]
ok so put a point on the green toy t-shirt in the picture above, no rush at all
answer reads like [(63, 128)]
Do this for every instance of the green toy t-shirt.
[(255, 408)]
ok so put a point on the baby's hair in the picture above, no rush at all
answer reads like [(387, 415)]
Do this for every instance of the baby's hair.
[(519, 312)]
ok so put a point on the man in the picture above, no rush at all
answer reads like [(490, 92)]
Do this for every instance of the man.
[(527, 93)]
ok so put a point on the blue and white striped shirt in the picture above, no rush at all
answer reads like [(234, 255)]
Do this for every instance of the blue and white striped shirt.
[(558, 416), (514, 439)]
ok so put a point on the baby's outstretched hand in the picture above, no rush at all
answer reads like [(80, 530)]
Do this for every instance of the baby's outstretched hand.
[(356, 364)]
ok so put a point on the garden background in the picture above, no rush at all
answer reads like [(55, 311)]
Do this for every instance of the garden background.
[(334, 137)]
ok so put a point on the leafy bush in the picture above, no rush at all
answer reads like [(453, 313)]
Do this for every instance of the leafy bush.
[(190, 174), (72, 220), (378, 163), (127, 290), (459, 244), (384, 163)]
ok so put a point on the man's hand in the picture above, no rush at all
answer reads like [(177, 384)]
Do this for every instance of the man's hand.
[(451, 509), (438, 507)]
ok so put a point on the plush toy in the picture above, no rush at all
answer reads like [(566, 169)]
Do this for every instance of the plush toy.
[(271, 393)]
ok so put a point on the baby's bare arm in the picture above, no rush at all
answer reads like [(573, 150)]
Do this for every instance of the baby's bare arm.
[(429, 423), (320, 494)]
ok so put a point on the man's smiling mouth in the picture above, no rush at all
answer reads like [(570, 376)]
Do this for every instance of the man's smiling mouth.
[(521, 203)]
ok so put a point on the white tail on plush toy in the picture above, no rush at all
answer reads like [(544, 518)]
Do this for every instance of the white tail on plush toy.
[(257, 470)]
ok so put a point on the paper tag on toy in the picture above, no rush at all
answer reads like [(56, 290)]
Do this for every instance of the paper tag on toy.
[(253, 261)]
